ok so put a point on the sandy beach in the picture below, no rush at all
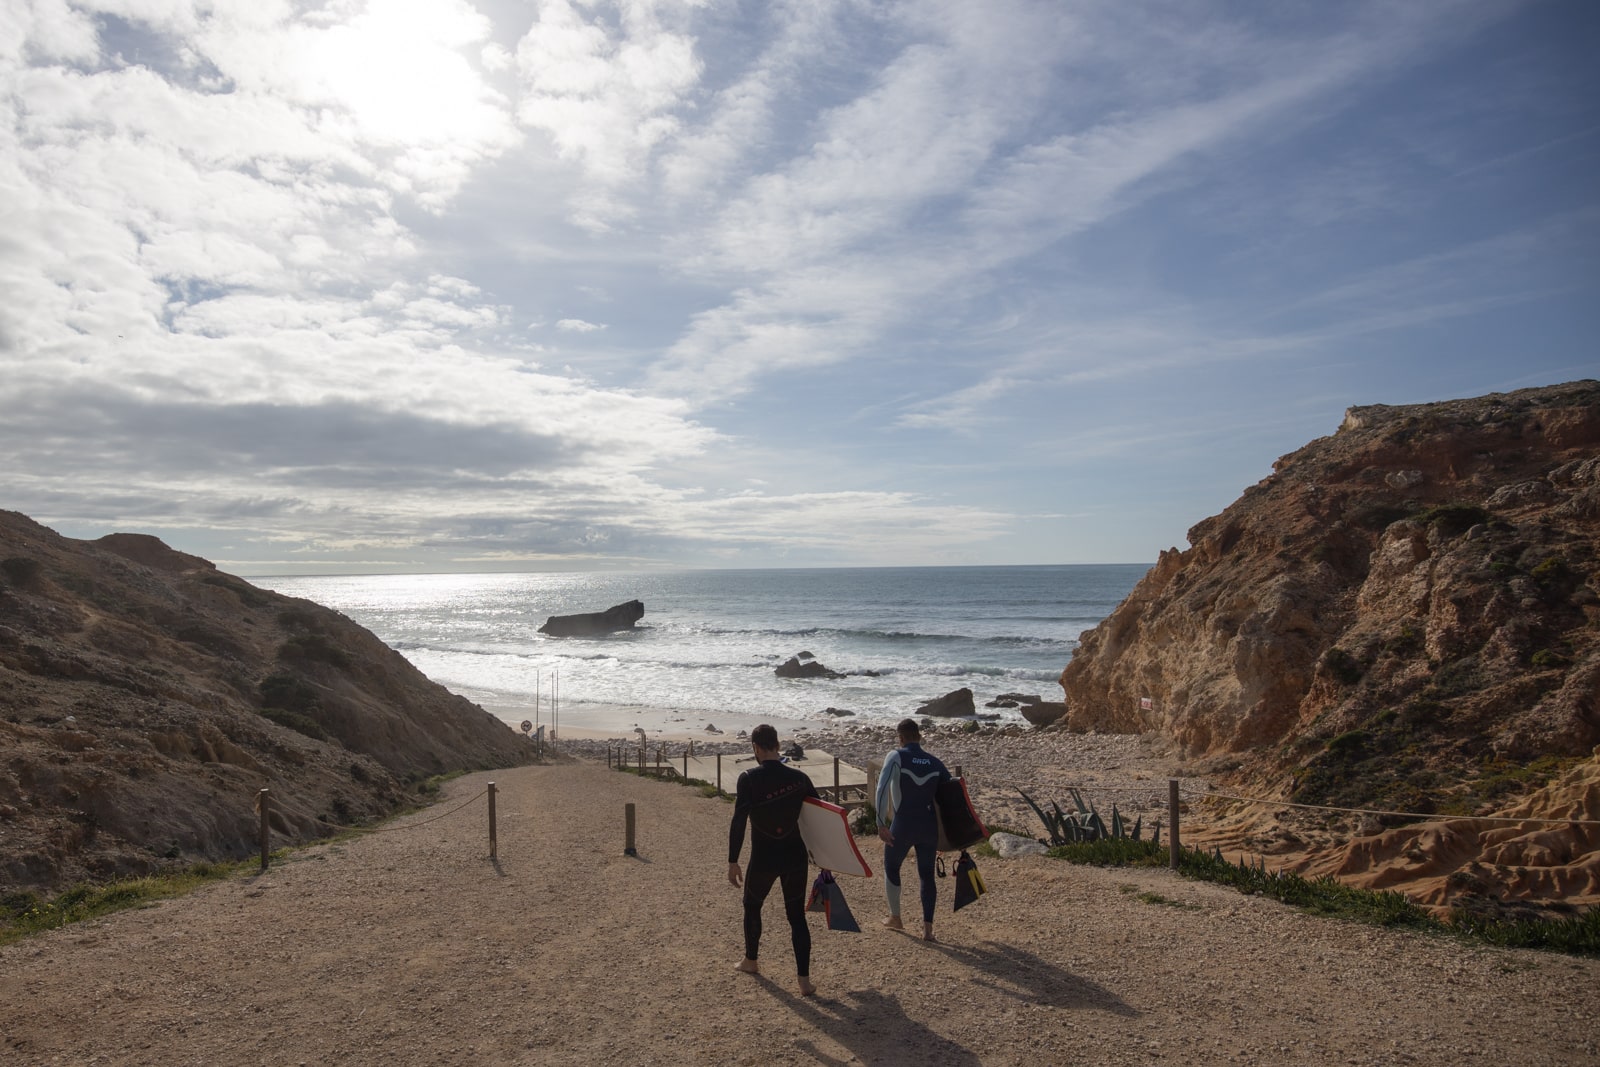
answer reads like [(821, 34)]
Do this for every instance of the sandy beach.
[(413, 946)]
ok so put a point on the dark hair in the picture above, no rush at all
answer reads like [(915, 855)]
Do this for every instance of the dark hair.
[(909, 730), (765, 737)]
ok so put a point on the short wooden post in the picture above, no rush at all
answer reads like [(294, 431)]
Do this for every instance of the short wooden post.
[(641, 758), (493, 842), (686, 765), (658, 760), (628, 818), (1172, 819), (837, 796), (719, 772), (263, 800)]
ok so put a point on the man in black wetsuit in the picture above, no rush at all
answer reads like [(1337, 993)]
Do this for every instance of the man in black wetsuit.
[(769, 796)]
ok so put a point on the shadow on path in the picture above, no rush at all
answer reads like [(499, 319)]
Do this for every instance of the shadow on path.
[(1016, 972), (874, 1027)]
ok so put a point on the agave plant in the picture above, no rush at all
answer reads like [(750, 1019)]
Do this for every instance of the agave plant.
[(1085, 824)]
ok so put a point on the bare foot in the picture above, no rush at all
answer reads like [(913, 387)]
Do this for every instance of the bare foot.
[(747, 966), (927, 933), (806, 988), (893, 923)]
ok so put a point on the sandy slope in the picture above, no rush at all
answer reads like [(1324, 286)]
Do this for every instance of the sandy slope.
[(411, 947)]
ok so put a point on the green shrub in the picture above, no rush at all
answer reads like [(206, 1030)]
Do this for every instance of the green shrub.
[(297, 721), (20, 571), (1453, 520), (1342, 666)]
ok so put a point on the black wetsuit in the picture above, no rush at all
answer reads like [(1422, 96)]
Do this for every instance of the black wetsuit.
[(769, 796)]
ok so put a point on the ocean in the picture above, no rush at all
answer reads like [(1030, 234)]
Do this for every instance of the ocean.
[(710, 640)]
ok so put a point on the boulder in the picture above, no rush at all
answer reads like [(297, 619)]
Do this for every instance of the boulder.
[(1010, 846), (619, 617), (793, 668), (1044, 712), (839, 712), (951, 705)]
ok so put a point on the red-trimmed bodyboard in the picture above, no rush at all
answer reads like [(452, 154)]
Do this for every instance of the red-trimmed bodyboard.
[(825, 828)]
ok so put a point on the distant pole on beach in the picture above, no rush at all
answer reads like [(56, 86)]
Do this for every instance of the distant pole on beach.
[(536, 698), (719, 772), (628, 844)]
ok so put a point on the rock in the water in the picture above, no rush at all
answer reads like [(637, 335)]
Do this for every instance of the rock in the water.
[(619, 617), (840, 712), (1010, 846), (951, 705), (793, 668)]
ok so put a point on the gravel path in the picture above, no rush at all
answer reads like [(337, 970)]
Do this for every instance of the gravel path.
[(412, 947)]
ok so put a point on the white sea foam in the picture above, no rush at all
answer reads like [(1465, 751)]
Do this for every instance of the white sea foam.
[(710, 640)]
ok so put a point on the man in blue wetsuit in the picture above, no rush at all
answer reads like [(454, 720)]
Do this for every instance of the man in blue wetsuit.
[(769, 796), (907, 819)]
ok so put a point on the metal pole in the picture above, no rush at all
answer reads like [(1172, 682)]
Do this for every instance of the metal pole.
[(1172, 817), (263, 801)]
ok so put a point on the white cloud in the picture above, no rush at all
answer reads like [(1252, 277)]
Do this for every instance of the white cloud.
[(577, 326)]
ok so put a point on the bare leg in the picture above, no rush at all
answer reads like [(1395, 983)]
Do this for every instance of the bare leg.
[(927, 932), (747, 966), (806, 988)]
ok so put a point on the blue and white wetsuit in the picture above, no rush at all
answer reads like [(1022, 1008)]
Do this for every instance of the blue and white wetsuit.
[(906, 789)]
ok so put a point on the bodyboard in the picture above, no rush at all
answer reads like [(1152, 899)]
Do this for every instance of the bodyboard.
[(825, 828), (959, 825)]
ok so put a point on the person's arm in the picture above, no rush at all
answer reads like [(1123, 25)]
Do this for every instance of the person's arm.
[(741, 815)]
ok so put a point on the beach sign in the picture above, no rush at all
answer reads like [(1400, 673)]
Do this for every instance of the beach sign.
[(527, 727), (825, 828)]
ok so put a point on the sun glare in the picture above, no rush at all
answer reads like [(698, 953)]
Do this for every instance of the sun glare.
[(397, 67)]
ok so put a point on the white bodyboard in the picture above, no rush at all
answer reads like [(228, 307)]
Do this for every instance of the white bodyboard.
[(825, 828)]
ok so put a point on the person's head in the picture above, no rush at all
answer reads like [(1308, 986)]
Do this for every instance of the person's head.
[(909, 732), (764, 738)]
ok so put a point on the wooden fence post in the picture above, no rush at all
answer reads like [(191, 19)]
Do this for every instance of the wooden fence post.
[(719, 772), (493, 841), (837, 796), (628, 818), (263, 800), (1172, 818), (686, 764)]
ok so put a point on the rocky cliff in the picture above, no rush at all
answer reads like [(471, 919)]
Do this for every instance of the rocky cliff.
[(145, 698), (1404, 615)]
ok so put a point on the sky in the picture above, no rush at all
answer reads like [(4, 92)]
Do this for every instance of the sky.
[(372, 285)]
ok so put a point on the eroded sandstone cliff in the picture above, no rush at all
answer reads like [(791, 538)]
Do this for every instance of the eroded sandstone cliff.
[(145, 698), (1404, 615)]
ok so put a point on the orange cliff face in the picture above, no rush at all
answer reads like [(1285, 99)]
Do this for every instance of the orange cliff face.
[(1404, 615)]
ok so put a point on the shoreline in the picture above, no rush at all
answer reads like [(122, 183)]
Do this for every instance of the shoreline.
[(600, 722)]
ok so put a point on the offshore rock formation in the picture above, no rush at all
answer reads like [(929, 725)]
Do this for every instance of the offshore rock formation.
[(594, 623), (146, 697), (1405, 615)]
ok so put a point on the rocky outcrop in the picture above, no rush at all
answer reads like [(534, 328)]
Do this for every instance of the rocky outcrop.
[(146, 697), (1404, 615), (593, 623), (794, 667), (952, 705)]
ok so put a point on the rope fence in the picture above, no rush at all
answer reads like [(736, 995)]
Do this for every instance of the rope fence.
[(1195, 794), (263, 807)]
